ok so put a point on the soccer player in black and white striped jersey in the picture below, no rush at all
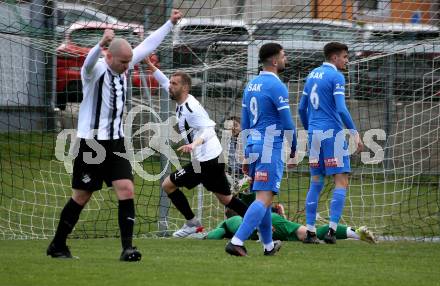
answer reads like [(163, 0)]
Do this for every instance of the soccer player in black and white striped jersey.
[(101, 136), (205, 148)]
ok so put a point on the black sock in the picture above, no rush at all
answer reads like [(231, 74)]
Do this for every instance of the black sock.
[(181, 203), (68, 218), (238, 206), (126, 216)]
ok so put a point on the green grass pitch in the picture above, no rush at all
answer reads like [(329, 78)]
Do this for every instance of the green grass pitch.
[(195, 262), (34, 187)]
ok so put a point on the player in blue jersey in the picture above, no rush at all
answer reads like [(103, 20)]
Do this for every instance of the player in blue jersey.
[(265, 121), (323, 113)]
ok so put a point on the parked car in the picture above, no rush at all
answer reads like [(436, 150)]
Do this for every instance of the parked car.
[(403, 62), (73, 12), (69, 13), (78, 41), (388, 60), (401, 32), (303, 41), (214, 50)]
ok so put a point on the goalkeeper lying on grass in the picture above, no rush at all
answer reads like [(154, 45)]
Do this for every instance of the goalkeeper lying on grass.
[(286, 230), (282, 228)]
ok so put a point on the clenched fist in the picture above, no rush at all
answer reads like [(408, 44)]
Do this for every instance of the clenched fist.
[(107, 37), (176, 15)]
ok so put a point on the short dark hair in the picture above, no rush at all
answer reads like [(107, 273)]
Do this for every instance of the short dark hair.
[(334, 48), (235, 118), (186, 79), (269, 50)]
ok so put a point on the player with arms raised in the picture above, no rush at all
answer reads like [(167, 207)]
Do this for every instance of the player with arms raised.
[(202, 143), (323, 113), (101, 136)]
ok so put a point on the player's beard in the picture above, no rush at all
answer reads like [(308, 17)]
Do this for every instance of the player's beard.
[(281, 69), (172, 95)]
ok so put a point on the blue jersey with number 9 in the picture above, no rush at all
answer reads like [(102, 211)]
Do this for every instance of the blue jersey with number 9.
[(323, 84), (263, 97)]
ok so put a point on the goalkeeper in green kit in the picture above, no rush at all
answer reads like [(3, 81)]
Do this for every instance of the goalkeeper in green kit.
[(286, 230)]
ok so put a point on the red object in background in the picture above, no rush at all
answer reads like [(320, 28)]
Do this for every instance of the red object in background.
[(71, 54)]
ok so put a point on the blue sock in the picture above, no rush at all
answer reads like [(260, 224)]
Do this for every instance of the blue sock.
[(265, 227), (312, 200), (337, 204), (251, 220)]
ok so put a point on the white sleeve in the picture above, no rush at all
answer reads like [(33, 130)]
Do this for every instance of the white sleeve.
[(91, 60), (151, 43), (206, 133), (162, 79)]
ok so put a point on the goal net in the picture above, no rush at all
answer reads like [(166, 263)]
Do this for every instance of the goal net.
[(393, 94)]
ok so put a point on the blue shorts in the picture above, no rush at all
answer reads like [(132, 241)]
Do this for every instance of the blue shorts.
[(323, 160), (267, 169)]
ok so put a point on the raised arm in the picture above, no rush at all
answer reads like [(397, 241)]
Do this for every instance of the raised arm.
[(95, 52), (163, 80), (153, 41)]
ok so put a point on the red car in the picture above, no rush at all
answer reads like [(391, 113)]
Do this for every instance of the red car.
[(71, 54)]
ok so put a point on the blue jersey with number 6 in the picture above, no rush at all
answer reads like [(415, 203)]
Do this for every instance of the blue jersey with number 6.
[(322, 86), (263, 99)]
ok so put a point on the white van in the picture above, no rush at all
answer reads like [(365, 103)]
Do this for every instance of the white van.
[(205, 31)]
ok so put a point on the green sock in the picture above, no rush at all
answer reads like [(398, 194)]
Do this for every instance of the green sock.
[(230, 226), (216, 233), (233, 223), (341, 231)]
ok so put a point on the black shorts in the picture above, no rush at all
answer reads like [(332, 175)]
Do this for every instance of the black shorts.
[(89, 177), (212, 176)]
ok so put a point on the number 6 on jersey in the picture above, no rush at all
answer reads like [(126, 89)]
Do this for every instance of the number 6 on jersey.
[(314, 97)]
